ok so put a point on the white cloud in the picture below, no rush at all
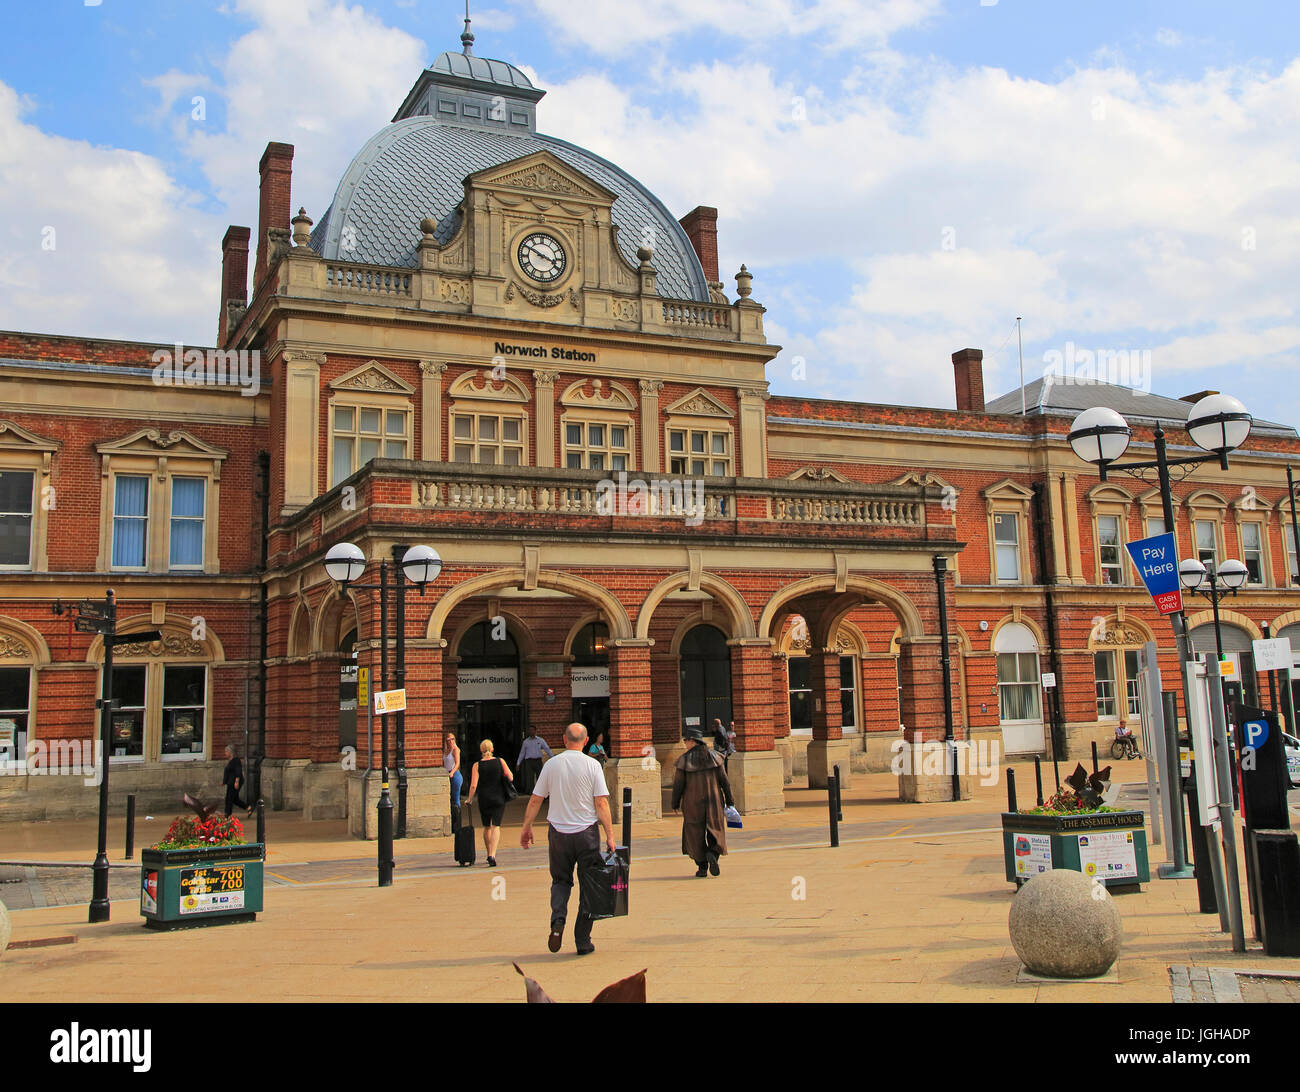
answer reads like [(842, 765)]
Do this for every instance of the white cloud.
[(615, 27), (132, 254)]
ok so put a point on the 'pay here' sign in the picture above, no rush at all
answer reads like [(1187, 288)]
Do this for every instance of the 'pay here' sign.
[(1156, 559)]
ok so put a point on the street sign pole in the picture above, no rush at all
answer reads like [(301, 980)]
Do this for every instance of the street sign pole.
[(99, 904), (1223, 766)]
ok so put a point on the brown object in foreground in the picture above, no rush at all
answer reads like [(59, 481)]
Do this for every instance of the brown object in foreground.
[(629, 990), (202, 810)]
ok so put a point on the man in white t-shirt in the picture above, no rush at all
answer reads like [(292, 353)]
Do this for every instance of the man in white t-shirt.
[(579, 811)]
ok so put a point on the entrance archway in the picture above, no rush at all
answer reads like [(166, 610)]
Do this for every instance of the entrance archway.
[(589, 680), (705, 678), (488, 704)]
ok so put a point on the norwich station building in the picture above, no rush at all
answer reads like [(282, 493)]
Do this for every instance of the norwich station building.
[(500, 345)]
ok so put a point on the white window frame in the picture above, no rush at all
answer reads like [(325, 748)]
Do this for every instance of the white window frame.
[(25, 566), (1261, 551), (994, 520), (1119, 568), (145, 519), (584, 450), (498, 413), (384, 438), (173, 519), (683, 463)]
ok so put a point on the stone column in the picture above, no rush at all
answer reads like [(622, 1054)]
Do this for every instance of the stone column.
[(431, 410), (926, 771), (756, 771), (301, 420), (828, 747), (781, 714), (666, 718), (753, 434), (650, 458), (632, 758), (544, 422)]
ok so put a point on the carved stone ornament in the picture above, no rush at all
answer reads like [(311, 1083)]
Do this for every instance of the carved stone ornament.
[(13, 648), (542, 299), (170, 645), (371, 380), (541, 178), (1119, 634)]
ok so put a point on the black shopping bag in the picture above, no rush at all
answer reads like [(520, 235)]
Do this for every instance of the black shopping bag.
[(602, 885)]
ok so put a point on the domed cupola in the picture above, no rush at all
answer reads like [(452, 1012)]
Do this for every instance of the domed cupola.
[(467, 114)]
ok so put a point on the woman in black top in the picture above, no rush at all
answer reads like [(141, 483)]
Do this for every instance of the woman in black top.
[(490, 774), (233, 779)]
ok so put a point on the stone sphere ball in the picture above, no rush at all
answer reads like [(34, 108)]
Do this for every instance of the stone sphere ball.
[(1064, 926)]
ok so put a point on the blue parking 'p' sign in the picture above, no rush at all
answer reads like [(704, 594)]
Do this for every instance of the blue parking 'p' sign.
[(1255, 733)]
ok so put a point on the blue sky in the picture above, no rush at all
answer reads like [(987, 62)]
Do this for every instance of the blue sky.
[(903, 177)]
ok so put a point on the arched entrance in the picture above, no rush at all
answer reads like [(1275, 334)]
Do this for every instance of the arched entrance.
[(488, 704), (705, 677), (348, 690), (589, 679), (1237, 647)]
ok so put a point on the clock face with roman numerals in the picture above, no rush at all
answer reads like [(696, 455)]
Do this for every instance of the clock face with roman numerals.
[(542, 257)]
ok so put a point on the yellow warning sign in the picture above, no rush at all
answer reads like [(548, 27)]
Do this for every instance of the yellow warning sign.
[(363, 686)]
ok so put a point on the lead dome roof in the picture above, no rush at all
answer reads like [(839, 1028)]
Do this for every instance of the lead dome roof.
[(466, 114)]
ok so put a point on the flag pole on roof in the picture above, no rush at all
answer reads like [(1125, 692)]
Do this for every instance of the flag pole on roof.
[(1023, 409)]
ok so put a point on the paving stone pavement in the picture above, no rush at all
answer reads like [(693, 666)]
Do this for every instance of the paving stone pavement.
[(912, 906)]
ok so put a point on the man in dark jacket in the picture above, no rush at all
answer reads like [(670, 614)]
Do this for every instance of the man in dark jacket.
[(700, 787)]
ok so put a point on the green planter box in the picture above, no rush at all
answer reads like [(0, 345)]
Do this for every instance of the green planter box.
[(1109, 844), (185, 888)]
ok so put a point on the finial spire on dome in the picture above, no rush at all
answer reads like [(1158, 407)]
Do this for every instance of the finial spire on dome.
[(467, 35)]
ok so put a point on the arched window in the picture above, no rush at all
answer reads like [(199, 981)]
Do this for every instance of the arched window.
[(1020, 705), (1237, 648)]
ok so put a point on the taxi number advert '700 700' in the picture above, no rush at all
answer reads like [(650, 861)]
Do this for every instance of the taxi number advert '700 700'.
[(217, 887)]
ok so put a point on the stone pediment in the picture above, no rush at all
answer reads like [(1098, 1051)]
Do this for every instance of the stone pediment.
[(151, 441), (373, 377), (598, 394), (14, 437), (480, 383), (544, 173), (699, 403)]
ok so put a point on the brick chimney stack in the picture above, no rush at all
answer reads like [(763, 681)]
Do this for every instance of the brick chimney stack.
[(234, 276), (968, 366), (701, 226), (276, 169)]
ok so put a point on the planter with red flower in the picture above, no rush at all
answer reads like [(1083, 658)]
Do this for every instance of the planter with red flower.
[(1075, 830), (201, 873)]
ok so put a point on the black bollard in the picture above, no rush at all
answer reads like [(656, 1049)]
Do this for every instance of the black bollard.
[(1038, 779), (1011, 790), (261, 821), (1094, 756), (130, 826), (839, 796), (627, 818), (831, 790)]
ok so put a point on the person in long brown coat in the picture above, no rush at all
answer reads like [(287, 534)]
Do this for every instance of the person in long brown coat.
[(700, 787)]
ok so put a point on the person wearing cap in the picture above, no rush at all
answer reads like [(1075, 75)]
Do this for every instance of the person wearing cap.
[(700, 790)]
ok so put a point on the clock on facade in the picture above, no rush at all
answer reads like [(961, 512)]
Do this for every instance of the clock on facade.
[(542, 257)]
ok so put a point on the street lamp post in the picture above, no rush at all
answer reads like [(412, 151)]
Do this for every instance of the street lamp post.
[(1193, 574), (344, 563), (1218, 424), (945, 663)]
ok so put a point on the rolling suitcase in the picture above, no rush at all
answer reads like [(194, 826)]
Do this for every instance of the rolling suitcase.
[(465, 837)]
